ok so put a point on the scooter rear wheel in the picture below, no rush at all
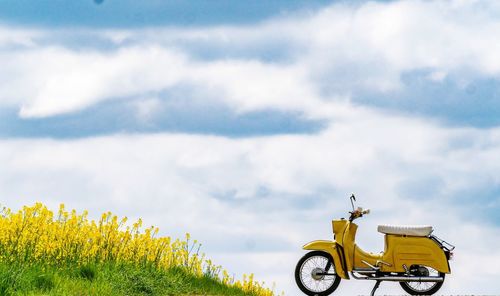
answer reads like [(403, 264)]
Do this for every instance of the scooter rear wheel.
[(310, 274), (423, 288)]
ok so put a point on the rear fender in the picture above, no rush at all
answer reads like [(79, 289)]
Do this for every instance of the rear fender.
[(331, 248)]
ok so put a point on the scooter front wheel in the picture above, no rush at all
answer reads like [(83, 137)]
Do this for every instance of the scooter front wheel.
[(315, 274)]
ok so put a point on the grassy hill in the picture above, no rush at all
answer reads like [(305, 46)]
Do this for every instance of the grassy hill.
[(68, 254), (103, 280)]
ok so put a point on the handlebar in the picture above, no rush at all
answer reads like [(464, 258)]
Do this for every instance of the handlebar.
[(359, 212), (356, 213)]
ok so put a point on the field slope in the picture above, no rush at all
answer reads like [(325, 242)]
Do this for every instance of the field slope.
[(42, 253), (106, 280)]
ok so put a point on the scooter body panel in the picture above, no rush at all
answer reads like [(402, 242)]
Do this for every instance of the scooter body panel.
[(410, 250), (349, 245), (334, 250), (360, 257), (399, 250)]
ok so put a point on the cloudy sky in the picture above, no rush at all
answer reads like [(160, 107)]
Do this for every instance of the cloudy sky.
[(248, 124)]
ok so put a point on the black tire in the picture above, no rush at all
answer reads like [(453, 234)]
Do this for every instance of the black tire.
[(310, 263), (429, 288)]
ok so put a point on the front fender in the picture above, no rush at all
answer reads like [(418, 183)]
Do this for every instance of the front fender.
[(331, 248)]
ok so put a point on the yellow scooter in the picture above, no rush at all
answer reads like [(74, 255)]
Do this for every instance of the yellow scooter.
[(413, 257)]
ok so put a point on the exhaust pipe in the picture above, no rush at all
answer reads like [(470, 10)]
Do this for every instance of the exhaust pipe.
[(409, 278), (398, 278)]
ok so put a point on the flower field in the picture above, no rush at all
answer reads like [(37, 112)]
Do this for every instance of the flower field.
[(35, 236)]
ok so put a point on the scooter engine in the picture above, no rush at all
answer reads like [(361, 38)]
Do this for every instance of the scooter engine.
[(417, 270)]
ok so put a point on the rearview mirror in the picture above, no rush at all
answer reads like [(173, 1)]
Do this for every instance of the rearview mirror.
[(352, 198)]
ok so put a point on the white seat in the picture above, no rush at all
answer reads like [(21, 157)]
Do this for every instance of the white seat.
[(411, 230)]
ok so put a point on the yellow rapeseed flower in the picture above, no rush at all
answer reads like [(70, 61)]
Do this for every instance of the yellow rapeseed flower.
[(34, 236)]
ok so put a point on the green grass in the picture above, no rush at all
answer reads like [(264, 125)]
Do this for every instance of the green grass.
[(106, 279)]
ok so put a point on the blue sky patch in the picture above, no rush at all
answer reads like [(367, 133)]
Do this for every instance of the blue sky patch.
[(132, 13), (473, 103), (174, 117)]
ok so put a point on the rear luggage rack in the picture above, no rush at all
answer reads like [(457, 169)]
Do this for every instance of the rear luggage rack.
[(444, 244)]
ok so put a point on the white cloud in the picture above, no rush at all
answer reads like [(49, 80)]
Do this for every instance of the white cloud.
[(64, 81), (19, 37), (146, 109), (56, 80), (330, 54), (213, 187)]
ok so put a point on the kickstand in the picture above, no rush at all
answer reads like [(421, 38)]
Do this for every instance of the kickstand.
[(375, 288)]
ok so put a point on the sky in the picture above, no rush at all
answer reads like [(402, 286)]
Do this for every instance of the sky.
[(249, 124)]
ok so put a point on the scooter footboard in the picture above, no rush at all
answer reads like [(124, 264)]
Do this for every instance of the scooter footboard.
[(331, 248)]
